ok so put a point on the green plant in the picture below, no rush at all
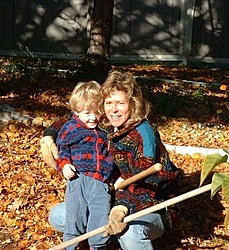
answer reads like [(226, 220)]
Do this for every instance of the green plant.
[(219, 180), (223, 113)]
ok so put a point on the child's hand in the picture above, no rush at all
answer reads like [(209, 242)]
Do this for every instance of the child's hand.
[(69, 171)]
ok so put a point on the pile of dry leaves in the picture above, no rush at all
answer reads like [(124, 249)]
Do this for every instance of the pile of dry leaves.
[(28, 187)]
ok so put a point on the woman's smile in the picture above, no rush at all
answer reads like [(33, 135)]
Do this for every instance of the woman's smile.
[(117, 108)]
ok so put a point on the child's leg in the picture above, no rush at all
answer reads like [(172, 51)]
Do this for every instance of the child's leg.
[(99, 209), (76, 207)]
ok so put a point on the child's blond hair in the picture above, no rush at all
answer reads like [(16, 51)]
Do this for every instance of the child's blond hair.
[(85, 96)]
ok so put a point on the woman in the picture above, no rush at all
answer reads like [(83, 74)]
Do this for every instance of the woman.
[(134, 146)]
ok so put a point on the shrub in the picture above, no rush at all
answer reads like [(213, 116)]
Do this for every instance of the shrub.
[(219, 180)]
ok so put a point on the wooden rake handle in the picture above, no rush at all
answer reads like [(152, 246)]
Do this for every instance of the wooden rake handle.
[(137, 215), (152, 170)]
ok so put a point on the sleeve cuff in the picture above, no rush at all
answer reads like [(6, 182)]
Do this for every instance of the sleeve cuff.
[(60, 163)]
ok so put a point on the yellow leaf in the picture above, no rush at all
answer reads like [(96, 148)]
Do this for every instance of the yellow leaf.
[(17, 235), (223, 87), (38, 121), (196, 156), (16, 204), (29, 178), (37, 236), (219, 111), (24, 243)]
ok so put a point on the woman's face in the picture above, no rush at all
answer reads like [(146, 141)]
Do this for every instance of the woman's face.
[(117, 108)]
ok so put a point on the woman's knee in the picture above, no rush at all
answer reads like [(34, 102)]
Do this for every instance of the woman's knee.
[(57, 217), (141, 232)]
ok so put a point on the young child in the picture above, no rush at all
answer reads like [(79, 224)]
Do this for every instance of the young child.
[(85, 163)]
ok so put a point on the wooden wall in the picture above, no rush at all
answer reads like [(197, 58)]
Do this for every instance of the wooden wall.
[(142, 29)]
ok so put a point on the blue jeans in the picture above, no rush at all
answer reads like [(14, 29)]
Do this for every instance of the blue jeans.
[(141, 232), (88, 204), (57, 217), (87, 207), (138, 236)]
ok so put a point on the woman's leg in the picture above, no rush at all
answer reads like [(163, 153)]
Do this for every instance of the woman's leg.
[(57, 217), (141, 231)]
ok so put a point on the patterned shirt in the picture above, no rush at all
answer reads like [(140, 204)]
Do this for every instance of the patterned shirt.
[(84, 148), (134, 150)]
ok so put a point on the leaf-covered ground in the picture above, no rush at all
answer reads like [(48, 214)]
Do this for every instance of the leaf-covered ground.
[(185, 113)]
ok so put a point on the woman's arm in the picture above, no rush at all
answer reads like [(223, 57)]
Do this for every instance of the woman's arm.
[(48, 149), (54, 128)]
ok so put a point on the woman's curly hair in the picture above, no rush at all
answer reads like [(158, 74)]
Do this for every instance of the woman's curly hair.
[(125, 82)]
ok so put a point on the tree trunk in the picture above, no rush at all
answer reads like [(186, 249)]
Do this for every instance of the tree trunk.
[(101, 25), (97, 62)]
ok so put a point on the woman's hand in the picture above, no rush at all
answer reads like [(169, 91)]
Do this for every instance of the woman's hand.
[(69, 171), (49, 151), (115, 223)]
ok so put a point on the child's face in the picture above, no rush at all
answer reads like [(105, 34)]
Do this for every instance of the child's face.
[(89, 118)]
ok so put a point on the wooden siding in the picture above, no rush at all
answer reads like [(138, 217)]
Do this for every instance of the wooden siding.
[(142, 29)]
